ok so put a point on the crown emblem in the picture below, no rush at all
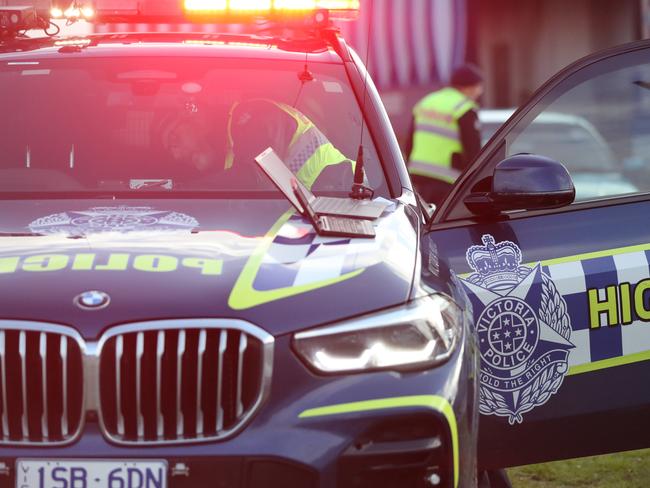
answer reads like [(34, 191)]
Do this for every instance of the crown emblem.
[(496, 265)]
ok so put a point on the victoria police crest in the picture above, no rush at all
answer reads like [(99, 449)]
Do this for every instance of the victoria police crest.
[(523, 329)]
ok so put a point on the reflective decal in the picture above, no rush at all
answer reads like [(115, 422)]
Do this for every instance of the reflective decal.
[(523, 328), (244, 294), (607, 297), (45, 262), (292, 259), (150, 263), (155, 263), (618, 303), (112, 219), (434, 402)]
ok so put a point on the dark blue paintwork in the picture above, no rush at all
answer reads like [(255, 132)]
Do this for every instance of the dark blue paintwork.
[(603, 404), (231, 231)]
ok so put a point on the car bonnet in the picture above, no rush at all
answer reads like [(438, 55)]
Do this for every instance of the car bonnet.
[(253, 260)]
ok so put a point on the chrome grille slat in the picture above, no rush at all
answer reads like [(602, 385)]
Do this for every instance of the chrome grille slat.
[(139, 352), (5, 420), (64, 381), (199, 381), (40, 360), (229, 363), (179, 383), (160, 350), (42, 349), (119, 351), (22, 350), (243, 344), (223, 344)]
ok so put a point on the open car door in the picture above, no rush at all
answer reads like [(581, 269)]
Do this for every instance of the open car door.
[(560, 291)]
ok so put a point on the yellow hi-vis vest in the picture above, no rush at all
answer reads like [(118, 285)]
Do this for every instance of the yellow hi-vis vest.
[(309, 152), (436, 135)]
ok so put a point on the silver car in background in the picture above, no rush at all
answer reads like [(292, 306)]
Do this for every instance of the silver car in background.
[(572, 140)]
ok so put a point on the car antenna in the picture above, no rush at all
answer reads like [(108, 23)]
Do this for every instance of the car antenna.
[(359, 190)]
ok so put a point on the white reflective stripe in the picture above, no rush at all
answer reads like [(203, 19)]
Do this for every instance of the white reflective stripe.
[(431, 114), (434, 170), (437, 130), (305, 147)]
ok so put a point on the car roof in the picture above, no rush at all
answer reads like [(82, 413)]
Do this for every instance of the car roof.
[(499, 116), (170, 44)]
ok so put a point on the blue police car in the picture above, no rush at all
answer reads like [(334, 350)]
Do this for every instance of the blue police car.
[(174, 315)]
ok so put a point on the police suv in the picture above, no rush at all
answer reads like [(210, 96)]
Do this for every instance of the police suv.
[(215, 271)]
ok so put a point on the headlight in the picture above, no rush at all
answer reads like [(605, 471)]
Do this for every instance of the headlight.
[(419, 334)]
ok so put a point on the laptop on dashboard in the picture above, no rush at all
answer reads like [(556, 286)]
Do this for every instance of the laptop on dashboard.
[(281, 176), (326, 225)]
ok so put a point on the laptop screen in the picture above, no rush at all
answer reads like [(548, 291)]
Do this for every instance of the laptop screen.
[(300, 194), (281, 176)]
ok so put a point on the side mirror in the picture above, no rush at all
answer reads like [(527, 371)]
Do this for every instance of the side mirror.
[(524, 182)]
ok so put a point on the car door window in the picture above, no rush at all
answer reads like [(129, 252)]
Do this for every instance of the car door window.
[(600, 130)]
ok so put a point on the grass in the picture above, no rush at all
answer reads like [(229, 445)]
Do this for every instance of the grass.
[(627, 470)]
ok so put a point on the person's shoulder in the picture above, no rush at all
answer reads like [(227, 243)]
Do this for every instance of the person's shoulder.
[(431, 95)]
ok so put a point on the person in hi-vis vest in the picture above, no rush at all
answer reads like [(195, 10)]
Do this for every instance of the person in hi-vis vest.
[(255, 125), (445, 134), (251, 127)]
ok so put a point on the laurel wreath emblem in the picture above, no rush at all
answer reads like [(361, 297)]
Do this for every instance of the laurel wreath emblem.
[(553, 311)]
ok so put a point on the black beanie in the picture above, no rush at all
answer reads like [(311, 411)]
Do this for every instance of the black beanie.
[(466, 75)]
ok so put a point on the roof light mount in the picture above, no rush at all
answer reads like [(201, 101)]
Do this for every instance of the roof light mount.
[(17, 17)]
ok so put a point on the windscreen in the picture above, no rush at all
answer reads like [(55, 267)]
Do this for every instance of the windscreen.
[(107, 126)]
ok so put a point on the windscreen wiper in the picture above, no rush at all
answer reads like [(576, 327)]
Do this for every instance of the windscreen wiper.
[(38, 234), (165, 183)]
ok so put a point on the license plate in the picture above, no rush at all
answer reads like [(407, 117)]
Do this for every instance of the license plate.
[(87, 473)]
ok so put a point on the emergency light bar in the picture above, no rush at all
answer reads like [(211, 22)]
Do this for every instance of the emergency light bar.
[(270, 6), (20, 15), (218, 10)]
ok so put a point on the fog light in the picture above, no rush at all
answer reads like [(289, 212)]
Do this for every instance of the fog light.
[(432, 479)]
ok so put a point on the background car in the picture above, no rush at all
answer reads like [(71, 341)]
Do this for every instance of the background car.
[(511, 230), (572, 140)]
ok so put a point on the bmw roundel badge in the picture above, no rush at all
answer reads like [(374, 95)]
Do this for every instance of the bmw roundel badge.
[(92, 300)]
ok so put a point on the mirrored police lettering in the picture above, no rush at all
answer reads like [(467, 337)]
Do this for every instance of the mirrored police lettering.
[(150, 263)]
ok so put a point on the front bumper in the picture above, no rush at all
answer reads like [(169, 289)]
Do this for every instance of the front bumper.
[(379, 429)]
